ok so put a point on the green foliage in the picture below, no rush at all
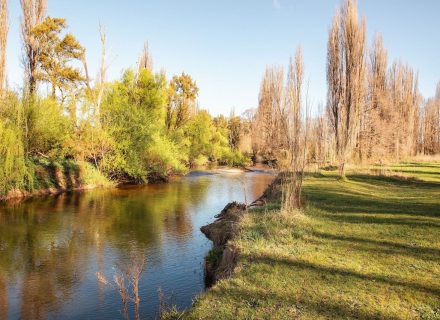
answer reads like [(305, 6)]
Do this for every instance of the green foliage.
[(14, 173), (182, 96), (48, 128), (91, 143), (133, 114), (214, 255), (143, 126), (91, 176), (64, 174), (209, 141), (199, 132), (235, 127), (55, 55)]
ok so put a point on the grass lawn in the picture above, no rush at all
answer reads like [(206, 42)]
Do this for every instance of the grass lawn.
[(367, 248)]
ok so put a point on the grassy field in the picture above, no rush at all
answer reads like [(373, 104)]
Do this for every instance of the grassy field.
[(366, 248)]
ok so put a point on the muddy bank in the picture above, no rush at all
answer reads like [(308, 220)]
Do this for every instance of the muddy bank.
[(222, 258), (53, 178), (19, 195)]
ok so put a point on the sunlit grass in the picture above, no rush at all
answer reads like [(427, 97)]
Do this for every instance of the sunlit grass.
[(367, 248)]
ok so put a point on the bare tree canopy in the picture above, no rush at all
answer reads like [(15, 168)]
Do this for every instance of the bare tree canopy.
[(145, 58), (34, 12), (346, 69), (4, 29)]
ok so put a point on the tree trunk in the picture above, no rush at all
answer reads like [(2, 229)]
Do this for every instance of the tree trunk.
[(342, 169)]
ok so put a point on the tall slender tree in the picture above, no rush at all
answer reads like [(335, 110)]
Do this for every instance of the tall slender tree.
[(378, 130), (346, 79), (269, 135), (296, 131), (431, 125), (95, 89), (433, 119), (34, 12), (405, 99), (145, 58), (4, 28)]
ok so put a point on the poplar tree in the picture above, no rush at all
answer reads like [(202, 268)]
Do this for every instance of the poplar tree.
[(145, 59), (405, 100), (4, 29), (296, 134), (346, 79), (269, 137), (34, 12), (379, 112)]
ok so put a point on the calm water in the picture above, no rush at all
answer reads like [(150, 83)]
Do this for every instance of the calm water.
[(52, 248)]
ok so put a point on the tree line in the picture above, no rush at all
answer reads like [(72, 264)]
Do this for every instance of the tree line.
[(145, 125), (133, 129), (374, 111)]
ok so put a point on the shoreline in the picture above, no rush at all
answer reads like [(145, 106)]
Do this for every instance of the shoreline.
[(221, 260), (18, 195)]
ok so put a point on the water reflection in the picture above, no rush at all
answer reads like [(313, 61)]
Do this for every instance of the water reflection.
[(50, 249)]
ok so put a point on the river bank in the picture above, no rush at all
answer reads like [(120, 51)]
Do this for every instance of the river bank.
[(53, 178), (363, 248)]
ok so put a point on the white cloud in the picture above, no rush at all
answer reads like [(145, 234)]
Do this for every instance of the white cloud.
[(276, 3)]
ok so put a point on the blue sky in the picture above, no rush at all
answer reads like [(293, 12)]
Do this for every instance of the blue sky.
[(225, 45)]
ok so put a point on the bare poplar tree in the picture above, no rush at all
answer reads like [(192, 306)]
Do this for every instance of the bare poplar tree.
[(269, 133), (405, 99), (4, 29), (320, 143), (97, 92), (145, 59), (430, 140), (379, 113), (296, 133), (102, 74), (346, 79), (34, 12)]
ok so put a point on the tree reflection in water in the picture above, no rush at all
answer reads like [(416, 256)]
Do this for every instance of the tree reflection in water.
[(51, 248)]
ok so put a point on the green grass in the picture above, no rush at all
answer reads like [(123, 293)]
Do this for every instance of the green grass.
[(366, 248)]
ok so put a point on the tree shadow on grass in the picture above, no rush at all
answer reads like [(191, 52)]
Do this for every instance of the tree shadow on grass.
[(418, 165), (375, 219), (416, 172), (314, 301), (342, 199), (327, 307), (423, 253), (331, 271), (410, 182)]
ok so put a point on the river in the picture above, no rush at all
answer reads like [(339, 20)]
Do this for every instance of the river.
[(51, 249)]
